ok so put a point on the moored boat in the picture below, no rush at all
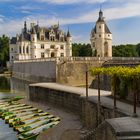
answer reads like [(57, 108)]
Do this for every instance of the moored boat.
[(20, 121), (11, 107), (20, 108), (31, 135), (31, 126), (18, 116), (8, 111), (32, 120)]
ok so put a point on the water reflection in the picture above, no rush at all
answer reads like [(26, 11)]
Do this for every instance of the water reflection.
[(4, 84), (7, 133), (7, 86)]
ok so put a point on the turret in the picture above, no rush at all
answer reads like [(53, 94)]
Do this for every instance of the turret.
[(69, 37), (101, 38), (69, 44), (25, 27), (33, 35)]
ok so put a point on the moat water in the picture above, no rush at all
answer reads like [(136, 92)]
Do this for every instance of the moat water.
[(6, 132)]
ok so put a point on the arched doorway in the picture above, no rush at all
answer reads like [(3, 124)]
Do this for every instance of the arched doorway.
[(52, 54), (106, 49)]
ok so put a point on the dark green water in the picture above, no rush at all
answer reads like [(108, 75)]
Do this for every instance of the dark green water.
[(6, 132)]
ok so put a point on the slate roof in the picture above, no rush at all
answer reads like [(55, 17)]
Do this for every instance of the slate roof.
[(101, 19), (26, 36), (13, 40)]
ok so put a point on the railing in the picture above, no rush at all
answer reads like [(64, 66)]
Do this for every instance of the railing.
[(67, 59)]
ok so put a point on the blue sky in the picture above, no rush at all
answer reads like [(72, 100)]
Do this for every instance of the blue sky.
[(122, 17)]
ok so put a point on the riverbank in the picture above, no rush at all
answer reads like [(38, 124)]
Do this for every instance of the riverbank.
[(70, 127)]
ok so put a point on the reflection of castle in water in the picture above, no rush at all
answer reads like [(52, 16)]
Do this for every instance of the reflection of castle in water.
[(19, 86), (4, 84)]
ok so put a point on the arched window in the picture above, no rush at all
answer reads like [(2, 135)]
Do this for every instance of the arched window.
[(19, 49), (27, 49), (52, 54), (106, 49)]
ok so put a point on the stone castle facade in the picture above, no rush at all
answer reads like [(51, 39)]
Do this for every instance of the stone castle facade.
[(101, 38), (40, 42)]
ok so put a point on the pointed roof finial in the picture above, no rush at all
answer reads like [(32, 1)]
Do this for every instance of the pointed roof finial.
[(100, 7), (25, 26), (68, 33), (100, 14)]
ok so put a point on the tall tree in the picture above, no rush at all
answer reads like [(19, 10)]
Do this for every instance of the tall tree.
[(81, 49), (128, 50), (4, 50)]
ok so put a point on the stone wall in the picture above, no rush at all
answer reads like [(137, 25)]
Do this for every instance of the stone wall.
[(60, 99), (104, 132), (68, 72), (74, 72), (35, 71), (91, 116)]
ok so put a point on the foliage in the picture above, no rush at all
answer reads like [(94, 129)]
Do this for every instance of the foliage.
[(4, 84), (81, 49), (138, 49), (128, 50), (4, 50), (129, 75), (123, 88)]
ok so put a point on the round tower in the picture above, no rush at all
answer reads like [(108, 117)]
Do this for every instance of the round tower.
[(69, 45), (101, 38), (33, 35), (33, 43)]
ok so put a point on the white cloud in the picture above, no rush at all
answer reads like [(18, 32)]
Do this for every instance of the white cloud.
[(28, 7), (25, 12), (11, 27)]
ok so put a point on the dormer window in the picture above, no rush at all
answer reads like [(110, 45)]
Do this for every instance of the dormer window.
[(61, 36), (52, 35), (52, 38), (42, 38), (62, 39)]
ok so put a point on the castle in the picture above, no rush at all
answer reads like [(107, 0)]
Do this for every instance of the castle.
[(40, 42), (101, 38)]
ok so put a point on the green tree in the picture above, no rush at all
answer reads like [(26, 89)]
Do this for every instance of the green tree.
[(128, 50), (4, 50), (138, 49), (81, 49)]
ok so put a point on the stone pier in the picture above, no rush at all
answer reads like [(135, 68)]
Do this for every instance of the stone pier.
[(94, 119)]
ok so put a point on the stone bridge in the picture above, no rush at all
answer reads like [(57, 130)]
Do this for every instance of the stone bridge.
[(68, 71)]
